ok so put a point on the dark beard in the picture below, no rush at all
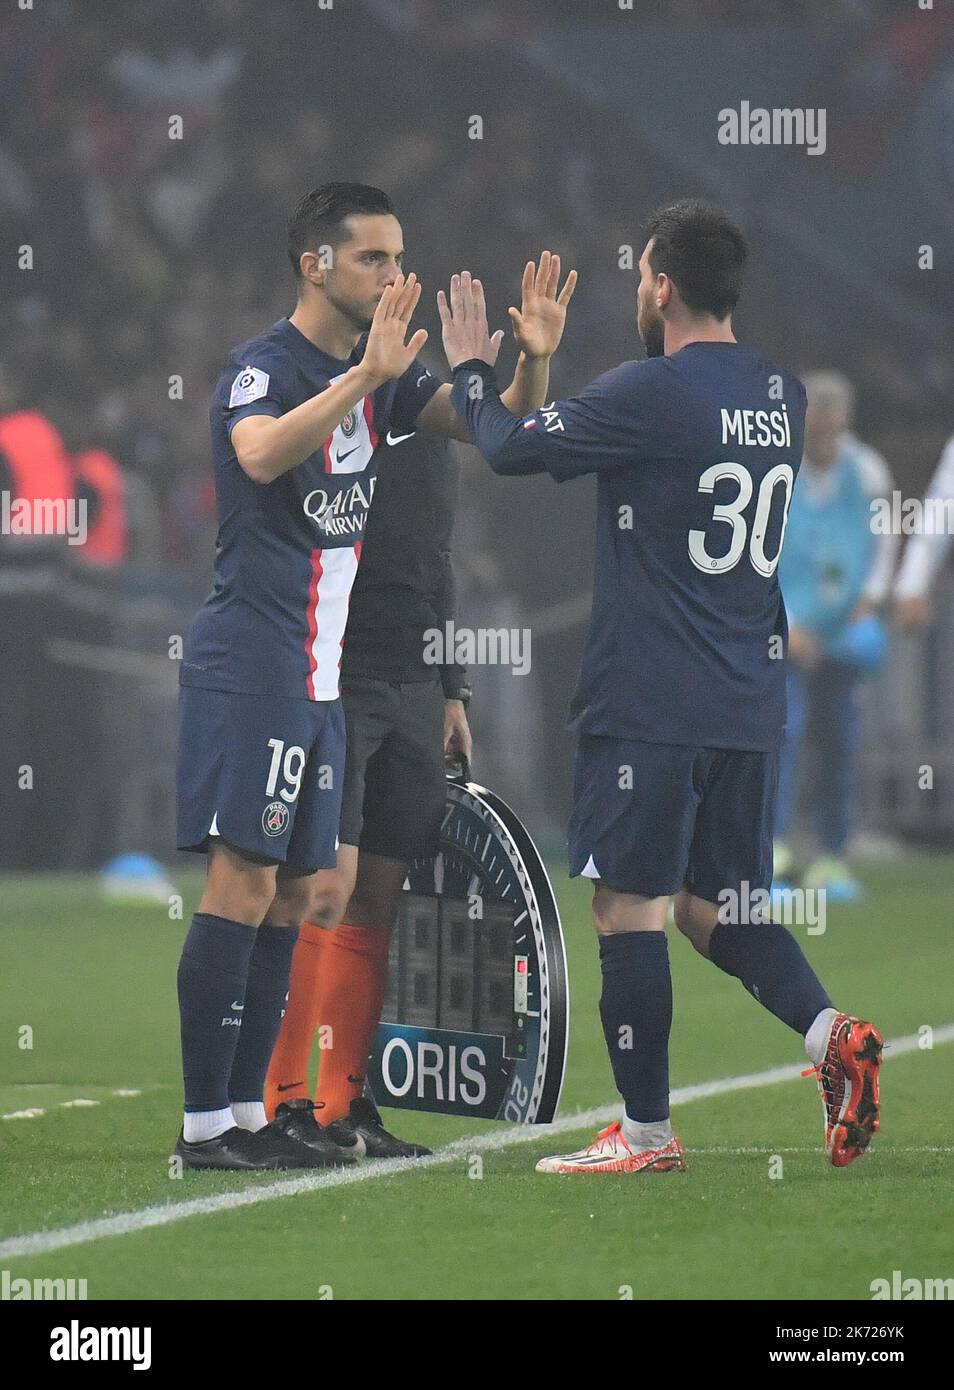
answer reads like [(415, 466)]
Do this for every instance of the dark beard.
[(655, 339), (359, 320)]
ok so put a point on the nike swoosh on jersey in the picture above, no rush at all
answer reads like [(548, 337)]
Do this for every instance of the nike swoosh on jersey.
[(396, 439), (340, 458)]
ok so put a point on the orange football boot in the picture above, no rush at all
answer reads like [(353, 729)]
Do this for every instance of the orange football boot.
[(610, 1153), (848, 1085)]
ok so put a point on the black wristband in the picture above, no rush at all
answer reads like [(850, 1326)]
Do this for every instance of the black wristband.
[(462, 693), (474, 363)]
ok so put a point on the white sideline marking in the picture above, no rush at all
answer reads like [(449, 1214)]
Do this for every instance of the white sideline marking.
[(127, 1223)]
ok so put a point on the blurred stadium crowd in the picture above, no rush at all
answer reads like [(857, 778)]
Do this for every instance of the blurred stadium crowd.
[(151, 256)]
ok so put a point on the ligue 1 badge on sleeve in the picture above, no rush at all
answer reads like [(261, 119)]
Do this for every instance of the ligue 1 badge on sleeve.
[(476, 1017), (250, 385)]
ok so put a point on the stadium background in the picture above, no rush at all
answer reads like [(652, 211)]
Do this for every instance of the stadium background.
[(152, 256)]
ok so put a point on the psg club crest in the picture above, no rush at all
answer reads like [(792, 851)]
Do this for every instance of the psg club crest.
[(476, 1017), (275, 818), (349, 424)]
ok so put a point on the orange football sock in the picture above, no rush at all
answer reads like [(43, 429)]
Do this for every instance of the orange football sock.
[(288, 1070), (350, 996)]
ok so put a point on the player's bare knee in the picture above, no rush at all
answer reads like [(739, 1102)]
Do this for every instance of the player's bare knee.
[(251, 907), (695, 920), (289, 906), (287, 910), (327, 901), (329, 890), (326, 911), (607, 922), (614, 912), (237, 888)]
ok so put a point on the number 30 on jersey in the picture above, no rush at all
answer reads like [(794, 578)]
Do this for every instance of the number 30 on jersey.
[(731, 514)]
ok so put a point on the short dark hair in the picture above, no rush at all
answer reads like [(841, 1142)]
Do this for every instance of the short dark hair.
[(702, 251), (318, 217)]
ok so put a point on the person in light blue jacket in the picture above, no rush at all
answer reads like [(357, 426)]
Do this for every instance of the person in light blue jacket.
[(835, 574)]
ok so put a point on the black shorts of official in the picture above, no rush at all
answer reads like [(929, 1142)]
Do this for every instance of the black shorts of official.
[(264, 773), (395, 789), (654, 818)]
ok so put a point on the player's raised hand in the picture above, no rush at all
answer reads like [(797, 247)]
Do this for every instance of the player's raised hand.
[(538, 323), (464, 322), (386, 354)]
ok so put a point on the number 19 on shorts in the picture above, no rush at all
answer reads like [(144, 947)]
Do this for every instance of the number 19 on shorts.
[(287, 764)]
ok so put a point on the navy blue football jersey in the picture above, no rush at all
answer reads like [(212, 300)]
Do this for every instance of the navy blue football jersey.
[(695, 455), (287, 551)]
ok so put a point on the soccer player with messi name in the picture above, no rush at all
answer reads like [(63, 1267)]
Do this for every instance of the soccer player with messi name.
[(296, 419), (680, 707)]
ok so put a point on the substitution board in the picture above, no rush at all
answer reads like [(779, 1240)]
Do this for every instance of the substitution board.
[(475, 1021)]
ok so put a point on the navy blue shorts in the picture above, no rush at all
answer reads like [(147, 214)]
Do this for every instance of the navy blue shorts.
[(654, 818), (263, 772)]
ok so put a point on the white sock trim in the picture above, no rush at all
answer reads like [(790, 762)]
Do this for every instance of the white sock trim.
[(199, 1125), (249, 1114), (654, 1134), (816, 1039)]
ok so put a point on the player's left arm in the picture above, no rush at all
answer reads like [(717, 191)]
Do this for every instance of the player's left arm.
[(527, 390), (537, 329), (610, 424)]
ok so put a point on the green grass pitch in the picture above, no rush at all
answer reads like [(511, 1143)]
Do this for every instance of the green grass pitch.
[(95, 981)]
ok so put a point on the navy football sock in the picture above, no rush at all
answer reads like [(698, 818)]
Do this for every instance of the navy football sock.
[(265, 995), (213, 969), (770, 963), (636, 1009)]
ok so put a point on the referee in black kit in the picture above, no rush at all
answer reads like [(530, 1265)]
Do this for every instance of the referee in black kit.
[(402, 716)]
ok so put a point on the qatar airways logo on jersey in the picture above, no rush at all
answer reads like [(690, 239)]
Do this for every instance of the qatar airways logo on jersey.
[(339, 513)]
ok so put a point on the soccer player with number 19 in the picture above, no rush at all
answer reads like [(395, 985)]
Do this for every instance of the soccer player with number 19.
[(296, 421), (680, 707)]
